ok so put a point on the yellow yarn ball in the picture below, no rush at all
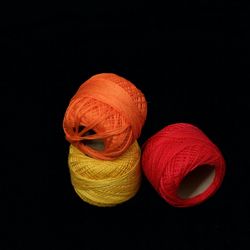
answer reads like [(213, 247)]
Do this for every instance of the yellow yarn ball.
[(105, 183)]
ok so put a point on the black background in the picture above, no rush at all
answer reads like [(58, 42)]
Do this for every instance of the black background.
[(191, 61)]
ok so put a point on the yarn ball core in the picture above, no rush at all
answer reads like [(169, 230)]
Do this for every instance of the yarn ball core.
[(108, 108), (105, 183), (183, 165)]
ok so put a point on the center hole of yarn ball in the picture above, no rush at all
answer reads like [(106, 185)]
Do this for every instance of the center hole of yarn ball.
[(96, 144), (196, 182)]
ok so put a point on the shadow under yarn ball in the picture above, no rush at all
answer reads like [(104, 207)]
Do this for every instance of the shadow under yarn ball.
[(108, 113)]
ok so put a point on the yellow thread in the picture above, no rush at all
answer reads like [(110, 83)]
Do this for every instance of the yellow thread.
[(105, 183)]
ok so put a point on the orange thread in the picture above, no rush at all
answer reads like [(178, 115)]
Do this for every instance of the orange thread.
[(113, 108)]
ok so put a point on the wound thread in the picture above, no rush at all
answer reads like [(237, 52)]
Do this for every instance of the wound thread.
[(113, 108), (183, 165), (105, 183)]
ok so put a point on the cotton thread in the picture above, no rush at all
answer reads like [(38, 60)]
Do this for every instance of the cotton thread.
[(105, 183), (113, 108), (179, 160)]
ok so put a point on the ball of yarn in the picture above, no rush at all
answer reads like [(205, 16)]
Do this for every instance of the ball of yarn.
[(183, 165), (105, 183), (109, 108)]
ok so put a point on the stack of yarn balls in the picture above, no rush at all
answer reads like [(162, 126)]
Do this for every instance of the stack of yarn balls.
[(102, 123)]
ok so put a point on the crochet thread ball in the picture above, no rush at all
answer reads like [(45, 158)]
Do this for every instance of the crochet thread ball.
[(105, 183), (107, 108), (183, 165)]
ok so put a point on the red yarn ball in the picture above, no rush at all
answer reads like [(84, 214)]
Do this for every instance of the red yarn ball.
[(183, 165)]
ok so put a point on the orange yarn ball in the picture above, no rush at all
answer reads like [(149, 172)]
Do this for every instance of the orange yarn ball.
[(109, 108)]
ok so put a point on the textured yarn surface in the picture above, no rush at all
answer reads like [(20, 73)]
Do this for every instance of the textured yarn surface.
[(105, 183), (113, 108), (173, 153)]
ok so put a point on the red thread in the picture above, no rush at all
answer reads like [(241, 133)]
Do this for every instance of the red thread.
[(111, 107), (183, 165)]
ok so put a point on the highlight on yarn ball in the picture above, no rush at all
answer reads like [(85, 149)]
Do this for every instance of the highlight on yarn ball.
[(109, 109), (183, 165), (105, 183)]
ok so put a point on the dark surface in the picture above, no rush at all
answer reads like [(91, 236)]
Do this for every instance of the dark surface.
[(189, 59)]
